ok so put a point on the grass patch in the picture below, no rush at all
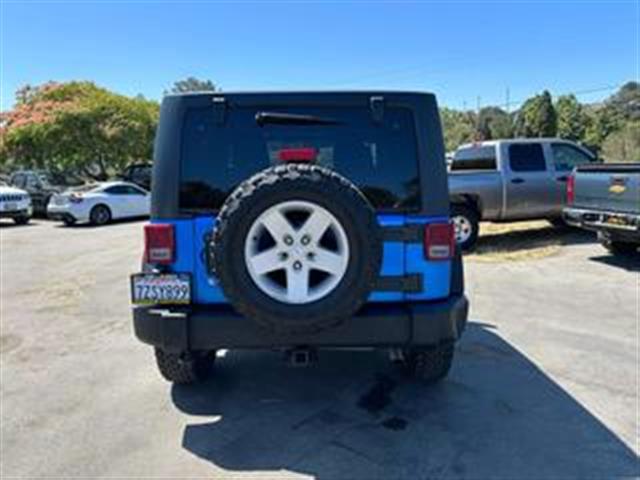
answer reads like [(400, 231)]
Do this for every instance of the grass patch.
[(528, 240)]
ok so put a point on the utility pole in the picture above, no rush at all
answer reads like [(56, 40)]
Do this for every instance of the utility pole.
[(507, 100)]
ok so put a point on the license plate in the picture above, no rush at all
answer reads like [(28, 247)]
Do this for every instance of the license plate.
[(10, 206), (160, 289)]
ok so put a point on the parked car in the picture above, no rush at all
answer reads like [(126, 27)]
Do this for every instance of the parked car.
[(40, 185), (99, 203), (508, 180), (15, 204), (606, 198), (138, 173), (331, 229)]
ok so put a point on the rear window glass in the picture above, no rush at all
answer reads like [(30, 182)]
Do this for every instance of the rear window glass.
[(380, 158), (474, 158), (526, 157)]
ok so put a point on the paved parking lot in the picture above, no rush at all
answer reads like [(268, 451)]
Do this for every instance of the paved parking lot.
[(545, 383)]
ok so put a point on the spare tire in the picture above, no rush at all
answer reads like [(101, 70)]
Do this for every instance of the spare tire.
[(296, 248)]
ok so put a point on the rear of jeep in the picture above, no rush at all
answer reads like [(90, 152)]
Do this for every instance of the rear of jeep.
[(299, 221)]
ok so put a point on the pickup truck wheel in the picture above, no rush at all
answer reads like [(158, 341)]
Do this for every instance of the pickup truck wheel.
[(429, 364), (296, 248), (466, 224), (178, 368), (21, 220), (620, 248)]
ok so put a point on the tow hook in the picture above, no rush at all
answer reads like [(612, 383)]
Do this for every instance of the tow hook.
[(301, 356)]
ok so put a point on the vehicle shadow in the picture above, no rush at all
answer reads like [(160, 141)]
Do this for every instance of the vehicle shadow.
[(630, 263), (12, 224), (89, 226), (353, 416), (530, 239)]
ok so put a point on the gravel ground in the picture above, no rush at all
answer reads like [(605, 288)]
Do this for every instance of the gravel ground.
[(544, 385)]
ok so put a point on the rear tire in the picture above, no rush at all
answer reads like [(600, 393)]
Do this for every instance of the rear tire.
[(22, 220), (429, 364), (558, 222), (184, 369), (620, 248), (100, 215), (466, 222)]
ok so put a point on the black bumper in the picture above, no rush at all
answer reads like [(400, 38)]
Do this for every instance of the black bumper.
[(61, 216), (15, 214), (376, 325)]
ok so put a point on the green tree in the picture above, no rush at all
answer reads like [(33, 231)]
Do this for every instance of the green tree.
[(78, 128), (192, 84), (572, 121), (626, 101), (623, 145), (494, 123), (537, 117), (458, 127), (602, 121)]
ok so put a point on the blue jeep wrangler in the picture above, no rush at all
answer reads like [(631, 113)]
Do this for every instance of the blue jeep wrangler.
[(299, 221)]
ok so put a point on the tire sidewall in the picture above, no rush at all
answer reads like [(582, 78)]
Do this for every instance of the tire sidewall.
[(348, 291), (473, 218), (95, 209)]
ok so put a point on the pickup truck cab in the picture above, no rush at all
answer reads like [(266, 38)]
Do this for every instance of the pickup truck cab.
[(508, 180), (606, 199)]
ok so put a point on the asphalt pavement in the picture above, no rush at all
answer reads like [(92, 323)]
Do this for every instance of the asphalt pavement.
[(544, 384)]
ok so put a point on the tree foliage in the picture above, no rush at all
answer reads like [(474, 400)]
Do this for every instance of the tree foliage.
[(572, 121), (458, 127), (192, 84), (77, 127), (623, 145), (607, 127), (537, 117), (493, 122)]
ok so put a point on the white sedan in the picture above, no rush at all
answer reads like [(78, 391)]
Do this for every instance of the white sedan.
[(100, 203)]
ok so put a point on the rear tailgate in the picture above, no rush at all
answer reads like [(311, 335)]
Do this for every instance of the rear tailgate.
[(614, 187)]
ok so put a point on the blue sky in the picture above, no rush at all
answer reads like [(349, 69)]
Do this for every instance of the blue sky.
[(461, 50)]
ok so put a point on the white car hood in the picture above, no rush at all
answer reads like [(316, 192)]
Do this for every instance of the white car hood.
[(4, 190)]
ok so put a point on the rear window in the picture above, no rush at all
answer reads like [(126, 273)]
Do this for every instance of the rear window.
[(474, 158), (526, 157), (380, 158)]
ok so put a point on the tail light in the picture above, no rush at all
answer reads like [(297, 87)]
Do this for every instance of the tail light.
[(439, 241), (159, 243), (571, 189), (305, 154)]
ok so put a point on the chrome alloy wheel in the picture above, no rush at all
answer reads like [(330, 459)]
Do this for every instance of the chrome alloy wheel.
[(296, 252), (462, 228)]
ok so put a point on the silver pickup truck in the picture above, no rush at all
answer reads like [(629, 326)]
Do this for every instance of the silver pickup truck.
[(508, 180), (606, 198)]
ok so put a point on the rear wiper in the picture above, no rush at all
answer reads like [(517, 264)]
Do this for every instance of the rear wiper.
[(265, 118)]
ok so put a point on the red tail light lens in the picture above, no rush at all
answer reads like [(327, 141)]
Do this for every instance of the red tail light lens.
[(159, 243), (571, 189), (298, 154), (439, 241)]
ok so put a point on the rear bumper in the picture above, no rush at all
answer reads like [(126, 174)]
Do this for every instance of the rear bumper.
[(601, 220), (376, 325)]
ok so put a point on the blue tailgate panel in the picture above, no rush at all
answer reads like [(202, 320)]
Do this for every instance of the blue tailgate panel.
[(398, 259)]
